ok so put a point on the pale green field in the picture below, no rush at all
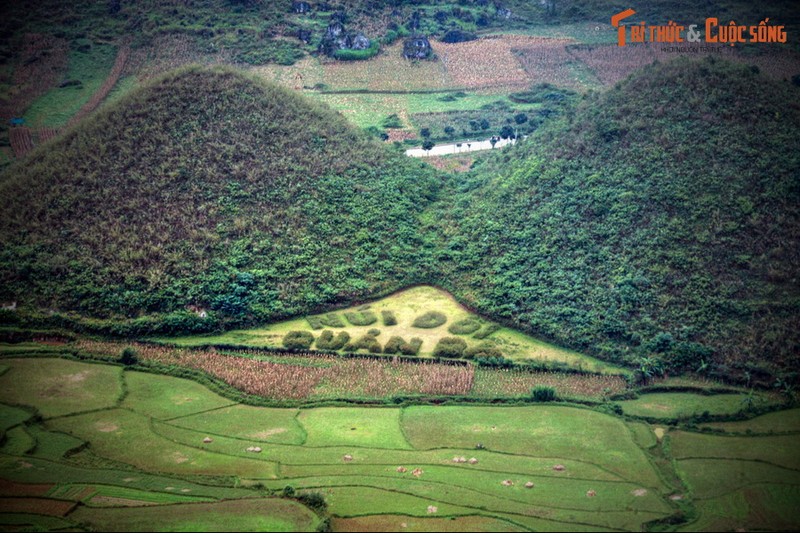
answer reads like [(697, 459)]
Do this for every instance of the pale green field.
[(353, 456), (684, 405), (406, 306)]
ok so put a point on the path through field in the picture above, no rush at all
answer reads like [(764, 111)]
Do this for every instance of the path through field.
[(462, 147)]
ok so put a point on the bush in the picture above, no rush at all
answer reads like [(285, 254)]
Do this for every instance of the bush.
[(314, 500), (361, 318), (392, 121), (332, 320), (128, 356), (298, 340), (315, 322), (288, 491), (486, 331), (494, 362), (430, 320), (458, 36), (483, 350), (464, 327), (327, 341), (393, 345), (450, 347), (542, 393), (358, 55), (365, 342), (411, 348), (388, 318), (374, 332)]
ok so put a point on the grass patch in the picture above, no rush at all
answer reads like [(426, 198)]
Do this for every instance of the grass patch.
[(123, 436), (246, 422), (550, 431), (683, 404), (777, 422), (59, 387), (167, 397), (339, 426), (90, 68), (779, 450)]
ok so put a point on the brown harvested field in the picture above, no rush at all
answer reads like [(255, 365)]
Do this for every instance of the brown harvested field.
[(493, 383), (388, 71), (12, 488), (489, 62), (611, 63), (311, 375), (43, 506), (548, 61)]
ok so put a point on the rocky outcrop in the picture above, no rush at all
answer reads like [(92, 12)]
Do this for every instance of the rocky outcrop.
[(417, 47)]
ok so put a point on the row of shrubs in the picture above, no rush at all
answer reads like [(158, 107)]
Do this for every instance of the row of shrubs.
[(448, 347), (302, 340), (429, 320)]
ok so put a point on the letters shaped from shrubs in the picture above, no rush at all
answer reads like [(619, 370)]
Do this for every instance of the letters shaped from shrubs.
[(464, 327), (450, 347), (361, 318), (487, 330), (483, 350), (399, 345), (327, 341), (366, 342), (298, 340), (331, 320), (430, 320), (388, 318)]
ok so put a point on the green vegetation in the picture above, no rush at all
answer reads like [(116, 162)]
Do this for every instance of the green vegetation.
[(361, 318), (58, 387), (464, 327), (218, 218), (430, 320), (606, 232), (298, 340), (672, 405), (450, 347)]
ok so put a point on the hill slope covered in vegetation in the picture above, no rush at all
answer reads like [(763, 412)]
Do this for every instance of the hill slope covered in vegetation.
[(660, 218), (211, 189)]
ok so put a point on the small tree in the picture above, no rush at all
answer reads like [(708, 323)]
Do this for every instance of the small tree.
[(428, 145), (128, 356), (425, 132), (542, 393)]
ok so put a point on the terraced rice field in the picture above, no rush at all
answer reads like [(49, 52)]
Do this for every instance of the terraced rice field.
[(163, 449)]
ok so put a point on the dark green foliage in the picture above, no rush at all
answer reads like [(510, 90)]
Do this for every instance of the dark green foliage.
[(361, 318), (458, 36), (358, 55), (392, 121), (223, 192), (610, 232), (365, 342), (483, 350), (542, 393), (428, 144), (288, 491), (494, 362), (393, 345), (314, 500), (298, 340), (464, 327), (430, 320), (128, 357), (332, 320), (374, 332), (327, 341), (315, 322), (388, 318), (450, 347), (486, 331), (412, 347)]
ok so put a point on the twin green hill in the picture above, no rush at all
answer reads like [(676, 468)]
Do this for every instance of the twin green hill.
[(659, 218)]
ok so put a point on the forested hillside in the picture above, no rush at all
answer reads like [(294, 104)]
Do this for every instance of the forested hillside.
[(660, 218), (207, 188)]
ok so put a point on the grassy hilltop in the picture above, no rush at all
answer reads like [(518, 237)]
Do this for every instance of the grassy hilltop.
[(659, 218)]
